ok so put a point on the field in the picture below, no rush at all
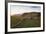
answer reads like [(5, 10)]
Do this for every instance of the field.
[(26, 20)]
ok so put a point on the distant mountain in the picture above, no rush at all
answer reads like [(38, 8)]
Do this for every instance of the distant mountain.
[(31, 13)]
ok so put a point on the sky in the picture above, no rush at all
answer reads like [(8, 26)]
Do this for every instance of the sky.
[(20, 9)]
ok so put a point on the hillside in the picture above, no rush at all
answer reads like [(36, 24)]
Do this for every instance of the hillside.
[(31, 19)]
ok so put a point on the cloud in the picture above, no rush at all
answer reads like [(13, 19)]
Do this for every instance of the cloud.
[(17, 9)]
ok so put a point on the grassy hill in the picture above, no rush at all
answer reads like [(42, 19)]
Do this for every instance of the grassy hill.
[(26, 20)]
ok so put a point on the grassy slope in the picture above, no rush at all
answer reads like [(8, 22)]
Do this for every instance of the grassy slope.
[(24, 23)]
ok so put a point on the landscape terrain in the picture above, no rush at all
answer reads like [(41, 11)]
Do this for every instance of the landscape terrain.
[(26, 20)]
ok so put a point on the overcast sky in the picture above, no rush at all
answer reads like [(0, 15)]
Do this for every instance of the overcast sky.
[(20, 9)]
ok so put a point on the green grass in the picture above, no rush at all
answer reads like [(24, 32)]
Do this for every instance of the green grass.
[(17, 23)]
